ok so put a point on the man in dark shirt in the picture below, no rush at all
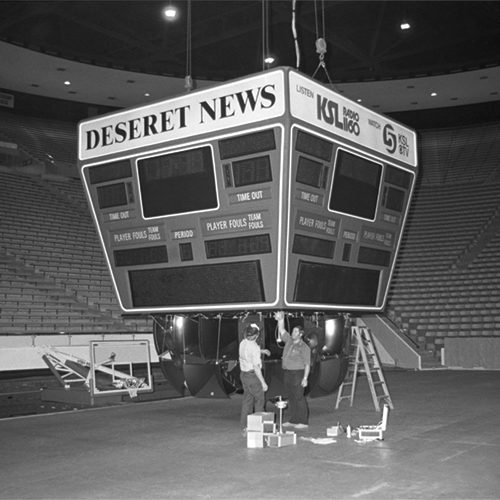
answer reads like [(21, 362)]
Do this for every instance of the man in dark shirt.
[(296, 364)]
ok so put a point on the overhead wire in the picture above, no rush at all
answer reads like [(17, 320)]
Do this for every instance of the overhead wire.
[(294, 33)]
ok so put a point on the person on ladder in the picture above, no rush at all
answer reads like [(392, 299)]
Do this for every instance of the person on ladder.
[(296, 364)]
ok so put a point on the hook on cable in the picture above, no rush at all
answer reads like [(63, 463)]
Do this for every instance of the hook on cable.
[(321, 49)]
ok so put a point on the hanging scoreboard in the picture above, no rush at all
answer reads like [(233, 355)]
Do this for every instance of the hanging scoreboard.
[(268, 192)]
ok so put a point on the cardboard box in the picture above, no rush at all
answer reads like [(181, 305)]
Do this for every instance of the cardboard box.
[(269, 427), (281, 439), (255, 439), (256, 421), (333, 431)]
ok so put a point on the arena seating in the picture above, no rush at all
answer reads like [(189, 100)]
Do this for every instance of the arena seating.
[(447, 279), (54, 277), (446, 282), (46, 141)]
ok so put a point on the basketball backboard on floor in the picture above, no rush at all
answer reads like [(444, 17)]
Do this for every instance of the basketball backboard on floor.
[(120, 367)]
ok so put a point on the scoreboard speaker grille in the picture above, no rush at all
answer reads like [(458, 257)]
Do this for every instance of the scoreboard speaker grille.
[(227, 283), (331, 284)]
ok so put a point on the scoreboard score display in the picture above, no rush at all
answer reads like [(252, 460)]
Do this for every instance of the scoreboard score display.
[(267, 192)]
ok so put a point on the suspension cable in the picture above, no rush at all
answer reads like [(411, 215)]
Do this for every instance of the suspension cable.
[(323, 15), (263, 43), (316, 18), (188, 80), (265, 32), (218, 338)]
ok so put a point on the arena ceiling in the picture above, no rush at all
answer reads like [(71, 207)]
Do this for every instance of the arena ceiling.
[(228, 39)]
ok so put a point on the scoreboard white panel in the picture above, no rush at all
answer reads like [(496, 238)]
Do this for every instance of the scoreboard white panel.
[(240, 103), (319, 106), (268, 192)]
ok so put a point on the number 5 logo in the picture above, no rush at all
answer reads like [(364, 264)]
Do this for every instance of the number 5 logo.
[(390, 138)]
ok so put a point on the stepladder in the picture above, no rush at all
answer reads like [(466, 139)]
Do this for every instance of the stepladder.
[(364, 360)]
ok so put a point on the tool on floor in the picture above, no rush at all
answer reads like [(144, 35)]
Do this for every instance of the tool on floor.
[(321, 440), (366, 433), (281, 405)]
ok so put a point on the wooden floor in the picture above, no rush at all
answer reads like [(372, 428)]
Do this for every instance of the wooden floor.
[(442, 441)]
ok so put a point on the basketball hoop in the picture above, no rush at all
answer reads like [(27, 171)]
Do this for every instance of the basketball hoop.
[(132, 392), (132, 384)]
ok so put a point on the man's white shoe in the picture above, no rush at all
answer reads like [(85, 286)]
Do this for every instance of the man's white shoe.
[(301, 426)]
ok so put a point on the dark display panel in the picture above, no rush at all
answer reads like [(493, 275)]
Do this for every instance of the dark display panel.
[(112, 195), (248, 144), (397, 177), (178, 183), (186, 251), (140, 256), (314, 146), (332, 285), (110, 171), (346, 252), (252, 171), (317, 247), (227, 174), (355, 185), (225, 283), (394, 199), (309, 172), (374, 256), (242, 245)]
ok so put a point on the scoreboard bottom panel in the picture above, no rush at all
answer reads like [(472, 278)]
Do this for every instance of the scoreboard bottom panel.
[(331, 284), (227, 283)]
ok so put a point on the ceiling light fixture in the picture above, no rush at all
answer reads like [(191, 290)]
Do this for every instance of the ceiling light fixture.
[(67, 82), (170, 12), (405, 25), (269, 60)]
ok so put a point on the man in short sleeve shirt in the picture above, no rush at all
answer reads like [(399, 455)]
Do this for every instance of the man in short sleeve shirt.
[(252, 380)]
